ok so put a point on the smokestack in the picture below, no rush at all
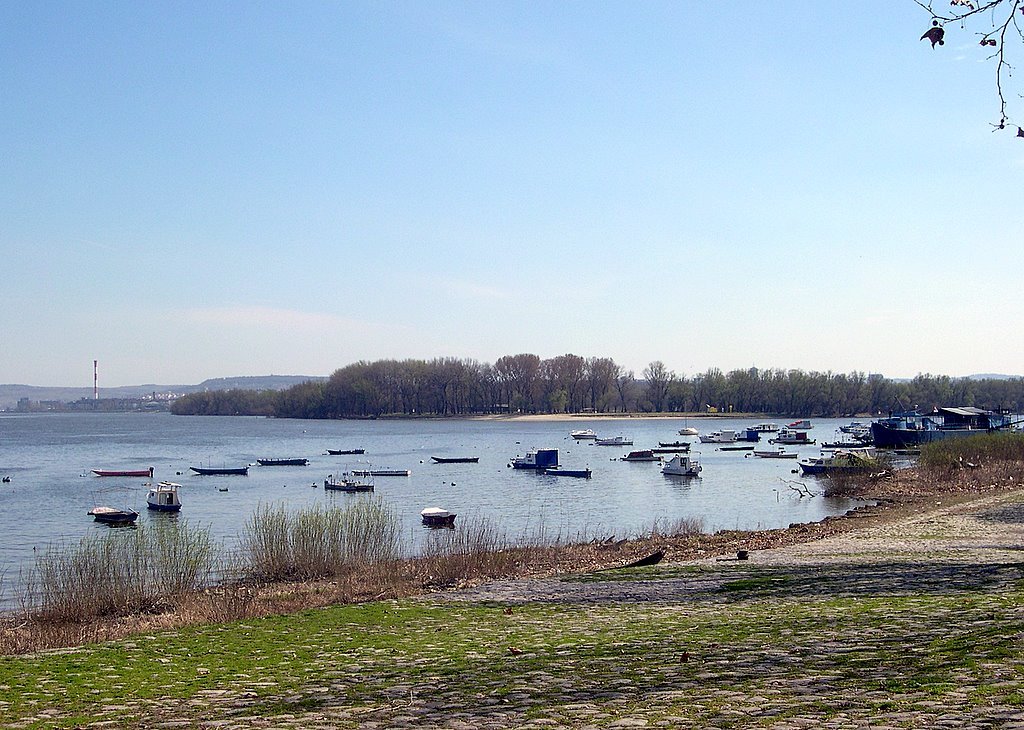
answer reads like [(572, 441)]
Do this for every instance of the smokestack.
[(95, 380)]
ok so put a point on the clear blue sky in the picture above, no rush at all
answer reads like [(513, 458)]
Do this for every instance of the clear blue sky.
[(195, 190)]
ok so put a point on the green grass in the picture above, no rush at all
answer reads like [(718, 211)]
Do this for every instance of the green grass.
[(656, 660)]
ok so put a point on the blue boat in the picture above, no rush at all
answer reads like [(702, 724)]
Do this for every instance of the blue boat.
[(537, 459), (908, 430)]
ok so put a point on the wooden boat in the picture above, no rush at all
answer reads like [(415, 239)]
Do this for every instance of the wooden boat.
[(382, 472), (345, 452), (559, 472), (113, 515), (682, 466), (641, 455), (282, 462), (220, 470), (455, 459), (437, 517), (124, 472), (348, 483), (164, 497)]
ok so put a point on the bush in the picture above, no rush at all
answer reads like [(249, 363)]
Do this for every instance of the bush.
[(985, 448)]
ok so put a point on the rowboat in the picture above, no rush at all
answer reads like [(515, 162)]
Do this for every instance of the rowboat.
[(282, 462), (124, 472), (113, 515), (559, 472), (455, 459), (345, 452), (220, 470)]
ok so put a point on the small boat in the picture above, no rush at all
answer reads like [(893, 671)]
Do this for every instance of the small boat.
[(283, 462), (789, 436), (559, 472), (683, 445), (345, 452), (737, 447), (681, 466), (834, 445), (455, 459), (113, 515), (748, 434), (765, 427), (688, 431), (671, 451), (614, 441), (347, 483), (164, 497), (382, 472), (801, 424), (840, 462), (537, 459), (583, 434), (437, 517), (642, 455), (124, 472), (779, 453), (724, 436), (220, 470)]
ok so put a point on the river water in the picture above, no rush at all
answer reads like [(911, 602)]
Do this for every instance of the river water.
[(48, 458)]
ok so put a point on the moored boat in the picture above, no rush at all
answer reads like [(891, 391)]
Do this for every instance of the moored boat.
[(839, 462), (614, 441), (778, 453), (908, 430), (455, 459), (124, 472), (220, 470), (437, 517), (725, 436), (765, 427), (113, 515), (537, 459), (382, 472), (688, 431), (801, 424), (684, 445), (682, 466), (349, 482), (163, 497), (282, 462), (559, 472), (790, 436), (345, 452), (583, 434), (641, 455)]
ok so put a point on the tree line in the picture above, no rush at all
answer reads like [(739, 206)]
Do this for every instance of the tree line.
[(527, 384)]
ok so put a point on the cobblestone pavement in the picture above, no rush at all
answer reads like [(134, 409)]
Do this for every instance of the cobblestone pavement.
[(918, 623)]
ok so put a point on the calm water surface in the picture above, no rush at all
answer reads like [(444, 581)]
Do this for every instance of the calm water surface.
[(49, 457)]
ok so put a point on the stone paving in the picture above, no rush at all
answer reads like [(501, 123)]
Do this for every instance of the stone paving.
[(912, 624)]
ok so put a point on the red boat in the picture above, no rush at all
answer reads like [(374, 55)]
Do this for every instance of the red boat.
[(124, 473)]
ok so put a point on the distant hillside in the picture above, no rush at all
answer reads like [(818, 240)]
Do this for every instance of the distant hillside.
[(11, 394)]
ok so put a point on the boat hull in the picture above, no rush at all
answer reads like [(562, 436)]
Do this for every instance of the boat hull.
[(124, 472), (283, 462), (888, 437), (455, 459), (220, 471)]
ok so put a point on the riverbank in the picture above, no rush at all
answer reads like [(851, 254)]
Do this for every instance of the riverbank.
[(903, 614)]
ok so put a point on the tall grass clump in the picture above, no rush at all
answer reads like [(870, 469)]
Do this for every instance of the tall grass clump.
[(318, 541), (982, 449), (119, 572), (476, 548)]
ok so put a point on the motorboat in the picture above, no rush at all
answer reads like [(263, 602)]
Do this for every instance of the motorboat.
[(839, 462), (348, 482), (681, 465), (437, 517), (765, 427), (583, 434), (614, 441), (684, 445), (537, 459), (163, 497), (345, 452), (790, 436), (801, 424), (910, 430), (113, 515), (382, 472), (725, 436), (688, 431), (642, 455), (778, 453)]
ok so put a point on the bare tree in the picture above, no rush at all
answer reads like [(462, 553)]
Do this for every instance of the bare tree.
[(997, 23)]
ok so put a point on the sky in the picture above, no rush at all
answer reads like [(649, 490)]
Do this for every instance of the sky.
[(193, 190)]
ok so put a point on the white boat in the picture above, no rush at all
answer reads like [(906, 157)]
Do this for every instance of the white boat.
[(725, 436), (790, 436), (765, 427), (583, 434), (779, 453), (437, 517), (688, 431), (643, 455), (164, 497), (537, 459), (681, 465), (348, 482), (382, 472), (801, 424), (614, 441)]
